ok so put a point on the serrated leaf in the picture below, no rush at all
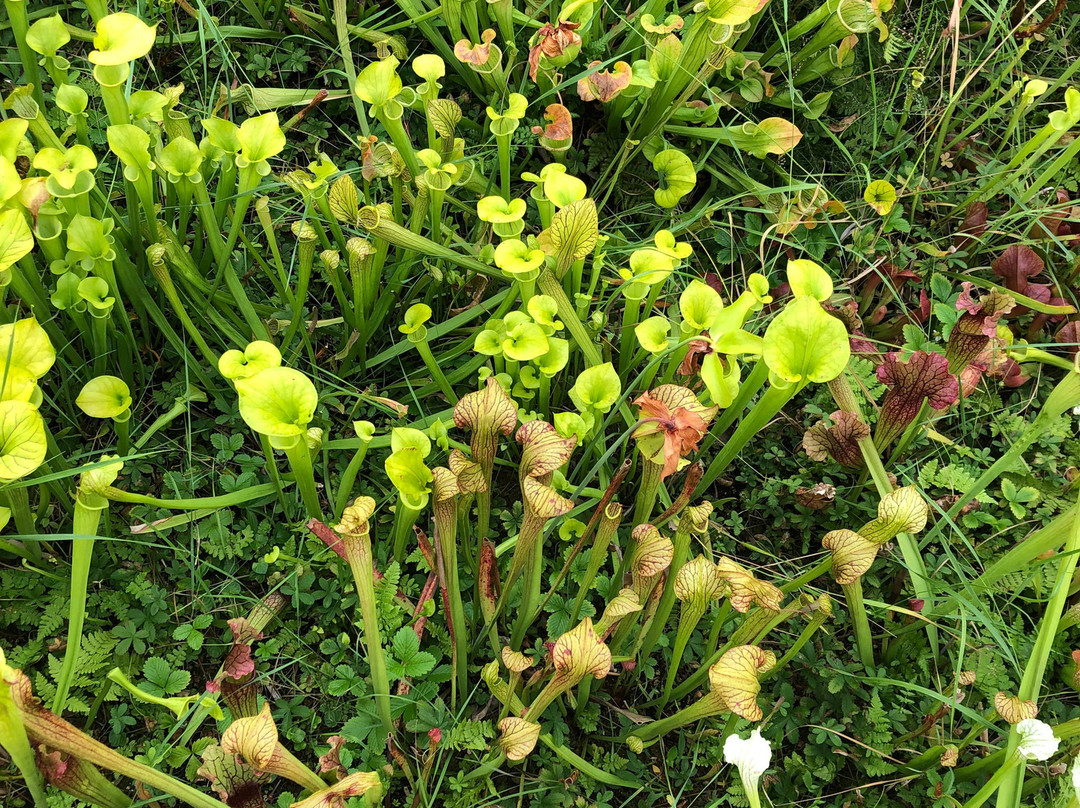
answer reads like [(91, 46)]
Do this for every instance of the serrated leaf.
[(76, 705), (914, 338), (406, 644), (360, 727), (156, 671), (177, 681), (420, 664), (941, 287), (338, 687)]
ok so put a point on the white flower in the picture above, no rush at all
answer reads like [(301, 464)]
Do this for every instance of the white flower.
[(1037, 741), (751, 756), (1075, 773)]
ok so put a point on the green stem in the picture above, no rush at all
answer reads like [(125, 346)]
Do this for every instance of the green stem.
[(17, 499), (531, 581), (717, 626), (503, 144), (436, 372), (646, 497), (605, 532), (229, 500), (358, 549), (123, 439), (766, 408), (550, 286), (307, 258), (99, 339), (1031, 683), (991, 785), (909, 547), (299, 456), (404, 519), (446, 527), (160, 271), (705, 707), (20, 24), (341, 28), (179, 407), (631, 315), (84, 531), (14, 741), (688, 619), (864, 641), (348, 479)]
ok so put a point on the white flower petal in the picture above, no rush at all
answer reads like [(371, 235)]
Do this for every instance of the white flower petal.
[(750, 756), (1037, 740)]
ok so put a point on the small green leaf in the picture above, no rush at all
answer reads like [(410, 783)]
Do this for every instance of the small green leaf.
[(517, 258), (525, 341), (255, 358), (415, 317), (132, 145), (105, 397), (403, 437), (412, 479), (881, 196), (260, 139), (652, 334)]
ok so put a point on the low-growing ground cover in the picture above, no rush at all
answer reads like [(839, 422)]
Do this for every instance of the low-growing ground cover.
[(491, 404)]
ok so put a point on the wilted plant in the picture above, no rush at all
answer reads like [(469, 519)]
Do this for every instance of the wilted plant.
[(673, 421)]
